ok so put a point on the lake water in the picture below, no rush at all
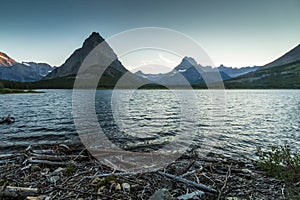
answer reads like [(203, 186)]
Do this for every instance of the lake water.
[(246, 119)]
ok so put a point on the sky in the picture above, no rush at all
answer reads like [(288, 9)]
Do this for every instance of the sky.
[(235, 33)]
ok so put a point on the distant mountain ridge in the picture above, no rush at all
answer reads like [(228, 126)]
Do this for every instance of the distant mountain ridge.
[(235, 72), (193, 73), (22, 72), (283, 72)]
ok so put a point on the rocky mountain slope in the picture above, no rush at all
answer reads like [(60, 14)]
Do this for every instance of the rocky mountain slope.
[(65, 75), (283, 72), (290, 57), (6, 61)]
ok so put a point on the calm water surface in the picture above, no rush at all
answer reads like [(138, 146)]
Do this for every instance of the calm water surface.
[(251, 118)]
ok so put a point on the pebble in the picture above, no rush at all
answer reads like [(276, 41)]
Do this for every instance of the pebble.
[(162, 194), (126, 187), (54, 179), (35, 168), (194, 195)]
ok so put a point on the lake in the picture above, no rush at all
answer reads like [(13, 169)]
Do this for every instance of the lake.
[(245, 119)]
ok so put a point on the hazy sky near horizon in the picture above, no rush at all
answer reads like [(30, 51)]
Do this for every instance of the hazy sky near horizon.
[(233, 32)]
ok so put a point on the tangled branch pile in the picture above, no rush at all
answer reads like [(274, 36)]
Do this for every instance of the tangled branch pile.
[(63, 172)]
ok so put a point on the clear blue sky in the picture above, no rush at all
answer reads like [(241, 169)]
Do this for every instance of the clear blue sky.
[(233, 32)]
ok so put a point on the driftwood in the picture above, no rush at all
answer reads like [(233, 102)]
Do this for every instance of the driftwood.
[(45, 162), (57, 158), (9, 156), (183, 180), (45, 151), (17, 192), (111, 174), (46, 168)]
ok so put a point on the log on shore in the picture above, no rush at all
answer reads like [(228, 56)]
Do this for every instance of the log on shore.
[(17, 192)]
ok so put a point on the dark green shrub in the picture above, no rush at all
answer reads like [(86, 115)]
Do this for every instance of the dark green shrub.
[(279, 162)]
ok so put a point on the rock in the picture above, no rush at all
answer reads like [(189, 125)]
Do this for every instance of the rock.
[(126, 187), (96, 180), (162, 194), (45, 171), (117, 186), (58, 170), (194, 195), (35, 168), (247, 171), (54, 179), (32, 198), (101, 189), (43, 197)]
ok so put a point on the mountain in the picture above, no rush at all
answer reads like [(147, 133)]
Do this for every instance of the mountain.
[(283, 72), (22, 72), (65, 75), (290, 57), (6, 61), (150, 77), (72, 64), (235, 72), (188, 70)]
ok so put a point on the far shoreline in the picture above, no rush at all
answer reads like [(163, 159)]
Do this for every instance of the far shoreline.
[(18, 91)]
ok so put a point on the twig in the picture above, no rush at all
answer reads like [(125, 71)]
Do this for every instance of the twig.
[(111, 174), (197, 185), (225, 182)]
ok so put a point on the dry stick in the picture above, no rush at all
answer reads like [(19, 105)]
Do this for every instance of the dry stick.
[(43, 151), (8, 156), (225, 182), (46, 162), (111, 174), (183, 180), (57, 158), (80, 154), (188, 173), (188, 167)]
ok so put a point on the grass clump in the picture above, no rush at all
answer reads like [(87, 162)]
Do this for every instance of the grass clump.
[(70, 168), (108, 180), (279, 162)]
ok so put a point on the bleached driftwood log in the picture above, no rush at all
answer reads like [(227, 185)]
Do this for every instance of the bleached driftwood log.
[(17, 192), (46, 162), (57, 158)]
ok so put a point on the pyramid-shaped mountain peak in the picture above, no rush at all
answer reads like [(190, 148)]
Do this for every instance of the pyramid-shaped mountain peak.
[(92, 41)]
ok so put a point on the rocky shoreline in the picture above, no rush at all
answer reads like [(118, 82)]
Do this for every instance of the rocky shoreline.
[(63, 172)]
